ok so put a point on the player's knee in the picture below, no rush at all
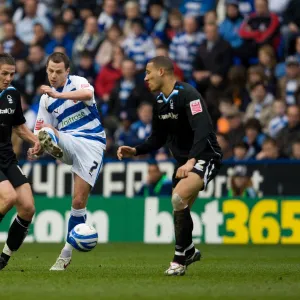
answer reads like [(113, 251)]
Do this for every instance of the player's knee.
[(8, 200), (177, 202), (27, 211), (79, 202)]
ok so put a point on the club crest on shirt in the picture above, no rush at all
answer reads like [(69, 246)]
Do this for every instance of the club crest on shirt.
[(195, 106), (9, 99), (39, 123)]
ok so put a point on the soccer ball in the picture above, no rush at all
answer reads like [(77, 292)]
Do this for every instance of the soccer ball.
[(83, 237)]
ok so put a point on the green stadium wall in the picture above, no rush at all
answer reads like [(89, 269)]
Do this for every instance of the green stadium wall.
[(149, 220)]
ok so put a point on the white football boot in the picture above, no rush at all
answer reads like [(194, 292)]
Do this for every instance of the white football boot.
[(49, 142), (61, 264), (175, 269)]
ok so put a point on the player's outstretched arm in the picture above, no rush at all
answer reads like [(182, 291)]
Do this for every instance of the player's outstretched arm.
[(78, 95), (125, 152)]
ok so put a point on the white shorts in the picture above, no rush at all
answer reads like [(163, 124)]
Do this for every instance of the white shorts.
[(85, 156)]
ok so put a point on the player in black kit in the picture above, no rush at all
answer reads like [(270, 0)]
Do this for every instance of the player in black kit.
[(182, 122), (14, 187)]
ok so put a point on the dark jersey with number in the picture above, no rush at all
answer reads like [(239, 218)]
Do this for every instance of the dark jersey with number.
[(11, 114), (182, 122)]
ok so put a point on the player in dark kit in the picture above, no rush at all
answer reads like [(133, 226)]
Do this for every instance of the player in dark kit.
[(14, 187), (182, 122)]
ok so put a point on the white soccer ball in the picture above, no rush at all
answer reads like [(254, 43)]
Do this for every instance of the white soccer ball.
[(83, 237)]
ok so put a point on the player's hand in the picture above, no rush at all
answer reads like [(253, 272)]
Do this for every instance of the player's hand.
[(49, 91), (184, 170), (35, 152), (125, 151)]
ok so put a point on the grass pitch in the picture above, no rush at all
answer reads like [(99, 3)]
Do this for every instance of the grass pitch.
[(135, 271)]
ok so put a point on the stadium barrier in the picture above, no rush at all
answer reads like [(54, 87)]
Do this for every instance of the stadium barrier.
[(149, 220), (125, 178)]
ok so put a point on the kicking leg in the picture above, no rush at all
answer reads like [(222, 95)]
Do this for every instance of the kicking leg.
[(19, 228), (78, 216), (182, 198)]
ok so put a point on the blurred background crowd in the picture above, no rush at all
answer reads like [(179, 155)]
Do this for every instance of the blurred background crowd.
[(242, 55)]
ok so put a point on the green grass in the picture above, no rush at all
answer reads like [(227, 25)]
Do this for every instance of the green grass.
[(135, 271)]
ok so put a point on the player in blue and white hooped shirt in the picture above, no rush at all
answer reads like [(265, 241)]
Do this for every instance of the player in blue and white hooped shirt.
[(69, 128)]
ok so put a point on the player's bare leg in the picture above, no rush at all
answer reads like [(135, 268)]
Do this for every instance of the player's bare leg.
[(183, 197), (24, 202), (49, 137), (78, 216)]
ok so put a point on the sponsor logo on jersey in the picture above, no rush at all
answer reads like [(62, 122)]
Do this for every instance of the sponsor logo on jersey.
[(7, 111), (196, 107), (39, 123), (69, 120), (9, 99), (85, 85), (168, 116), (160, 101)]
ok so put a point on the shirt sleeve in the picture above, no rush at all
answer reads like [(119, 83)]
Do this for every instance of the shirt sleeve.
[(82, 84), (43, 117), (19, 118), (157, 138), (200, 123)]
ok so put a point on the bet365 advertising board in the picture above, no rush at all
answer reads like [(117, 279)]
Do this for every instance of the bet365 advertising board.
[(150, 220)]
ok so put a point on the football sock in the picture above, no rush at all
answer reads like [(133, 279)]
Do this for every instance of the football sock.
[(16, 235), (182, 224), (1, 217), (190, 248), (78, 216)]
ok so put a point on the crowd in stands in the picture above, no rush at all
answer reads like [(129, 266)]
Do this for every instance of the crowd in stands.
[(242, 55)]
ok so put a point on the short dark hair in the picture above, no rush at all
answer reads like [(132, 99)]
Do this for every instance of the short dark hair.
[(58, 57), (7, 59), (163, 62)]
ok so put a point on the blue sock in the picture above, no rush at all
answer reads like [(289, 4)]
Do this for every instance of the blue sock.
[(78, 216)]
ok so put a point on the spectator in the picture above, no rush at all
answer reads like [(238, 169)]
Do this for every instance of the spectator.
[(236, 127), (141, 129), (254, 137), (138, 45), (210, 17), (109, 15), (267, 60), (262, 27), (240, 151), (270, 150), (89, 40), (157, 184), (226, 106), (70, 18), (11, 43), (132, 11), (4, 17), (296, 150), (230, 26), (127, 94), (123, 135), (224, 144), (109, 75), (291, 132), (184, 46), (290, 83), (255, 74), (260, 106), (23, 79), (236, 87), (156, 21), (38, 59), (86, 67), (40, 36), (241, 184), (163, 51), (279, 120), (26, 19), (105, 51), (60, 37), (175, 24), (211, 65)]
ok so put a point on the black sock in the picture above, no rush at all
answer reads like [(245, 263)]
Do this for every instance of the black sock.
[(182, 224), (190, 245), (16, 235), (1, 217)]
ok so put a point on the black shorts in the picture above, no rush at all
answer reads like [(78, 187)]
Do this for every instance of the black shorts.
[(206, 169), (14, 174)]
